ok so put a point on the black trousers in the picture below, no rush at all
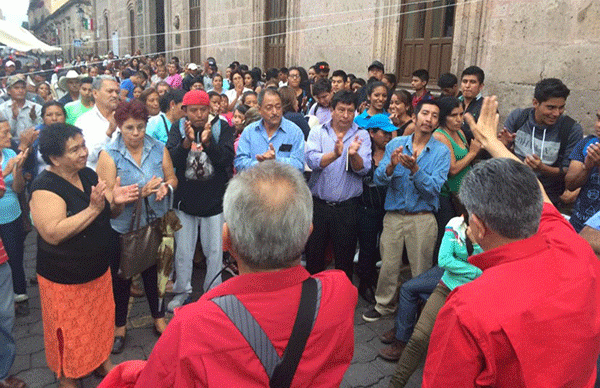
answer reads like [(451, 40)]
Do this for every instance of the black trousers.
[(444, 214), (338, 224), (122, 286), (370, 225)]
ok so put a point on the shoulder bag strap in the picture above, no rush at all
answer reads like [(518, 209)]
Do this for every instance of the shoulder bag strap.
[(166, 125), (280, 370), (136, 216), (284, 371)]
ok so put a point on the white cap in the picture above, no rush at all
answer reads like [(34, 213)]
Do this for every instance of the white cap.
[(9, 63), (192, 66)]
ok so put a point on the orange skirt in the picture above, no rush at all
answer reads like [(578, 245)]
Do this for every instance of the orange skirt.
[(79, 324)]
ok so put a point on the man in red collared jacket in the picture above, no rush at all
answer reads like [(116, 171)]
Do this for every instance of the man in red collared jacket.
[(532, 319), (268, 214)]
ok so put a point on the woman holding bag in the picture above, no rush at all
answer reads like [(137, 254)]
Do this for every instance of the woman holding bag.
[(136, 159)]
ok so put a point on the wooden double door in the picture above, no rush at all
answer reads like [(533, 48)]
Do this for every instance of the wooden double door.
[(426, 31)]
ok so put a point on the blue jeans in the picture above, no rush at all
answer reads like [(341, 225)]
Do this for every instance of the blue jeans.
[(410, 292), (7, 321)]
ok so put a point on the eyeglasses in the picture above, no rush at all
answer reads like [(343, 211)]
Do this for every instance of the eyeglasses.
[(294, 76)]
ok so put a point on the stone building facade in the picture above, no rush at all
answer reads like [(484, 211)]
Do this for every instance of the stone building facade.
[(64, 23), (517, 42)]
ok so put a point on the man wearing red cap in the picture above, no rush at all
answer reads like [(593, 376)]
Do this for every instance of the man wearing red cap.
[(202, 151)]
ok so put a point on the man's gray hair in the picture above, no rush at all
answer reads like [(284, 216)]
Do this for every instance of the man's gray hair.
[(505, 195), (270, 91), (99, 80), (268, 209)]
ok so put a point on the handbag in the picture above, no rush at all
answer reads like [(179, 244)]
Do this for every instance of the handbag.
[(139, 246)]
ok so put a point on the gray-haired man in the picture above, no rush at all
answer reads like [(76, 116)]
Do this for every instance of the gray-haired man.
[(98, 124), (268, 214), (532, 318)]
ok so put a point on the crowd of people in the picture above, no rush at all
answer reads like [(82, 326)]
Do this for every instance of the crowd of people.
[(286, 173)]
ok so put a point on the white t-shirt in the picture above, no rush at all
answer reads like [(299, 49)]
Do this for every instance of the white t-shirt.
[(94, 127)]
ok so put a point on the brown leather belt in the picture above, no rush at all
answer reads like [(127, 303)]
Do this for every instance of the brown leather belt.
[(405, 213)]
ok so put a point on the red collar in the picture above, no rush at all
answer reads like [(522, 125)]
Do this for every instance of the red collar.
[(514, 251), (260, 282)]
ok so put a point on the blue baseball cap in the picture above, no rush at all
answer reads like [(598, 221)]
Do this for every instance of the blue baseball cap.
[(380, 121)]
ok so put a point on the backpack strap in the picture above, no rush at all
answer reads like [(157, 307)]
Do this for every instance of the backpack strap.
[(522, 119), (280, 370), (566, 124)]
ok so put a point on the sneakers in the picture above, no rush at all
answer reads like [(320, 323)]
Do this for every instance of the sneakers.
[(21, 298), (372, 315), (178, 301)]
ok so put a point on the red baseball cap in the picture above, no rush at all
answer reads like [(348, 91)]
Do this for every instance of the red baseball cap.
[(196, 97)]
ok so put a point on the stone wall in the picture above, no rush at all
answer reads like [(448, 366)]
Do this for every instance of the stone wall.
[(519, 42)]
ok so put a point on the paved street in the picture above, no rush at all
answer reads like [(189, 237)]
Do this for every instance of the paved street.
[(366, 370)]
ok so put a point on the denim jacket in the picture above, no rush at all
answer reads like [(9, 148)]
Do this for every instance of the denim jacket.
[(130, 172)]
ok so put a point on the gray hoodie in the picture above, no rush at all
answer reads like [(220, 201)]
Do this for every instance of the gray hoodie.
[(544, 141)]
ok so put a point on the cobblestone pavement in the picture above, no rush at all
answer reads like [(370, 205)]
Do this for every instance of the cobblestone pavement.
[(366, 369)]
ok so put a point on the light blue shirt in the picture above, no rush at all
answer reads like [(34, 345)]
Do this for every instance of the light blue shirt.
[(10, 209), (254, 141), (130, 172), (338, 181), (417, 192), (594, 221), (156, 127)]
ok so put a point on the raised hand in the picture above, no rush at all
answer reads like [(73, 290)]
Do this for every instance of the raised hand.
[(206, 134), (27, 137), (354, 146), (506, 137), (339, 144), (112, 125), (97, 197), (593, 156), (15, 110), (162, 192), (151, 187), (409, 162), (534, 162), (396, 154), (190, 134), (363, 105), (475, 146), (268, 155), (125, 194), (16, 164)]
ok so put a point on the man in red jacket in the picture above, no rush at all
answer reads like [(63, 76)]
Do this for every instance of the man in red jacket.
[(532, 319), (236, 334)]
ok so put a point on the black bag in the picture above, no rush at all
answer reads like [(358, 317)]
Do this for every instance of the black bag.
[(139, 246)]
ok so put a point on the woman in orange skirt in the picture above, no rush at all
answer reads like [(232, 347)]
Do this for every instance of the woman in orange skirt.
[(72, 215)]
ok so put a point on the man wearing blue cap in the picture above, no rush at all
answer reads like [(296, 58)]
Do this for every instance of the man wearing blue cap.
[(371, 208), (339, 153)]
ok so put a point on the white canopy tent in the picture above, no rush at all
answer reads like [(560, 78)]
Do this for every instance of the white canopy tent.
[(23, 40)]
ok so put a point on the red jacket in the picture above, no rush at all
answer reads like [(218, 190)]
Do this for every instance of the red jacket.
[(202, 348), (531, 320)]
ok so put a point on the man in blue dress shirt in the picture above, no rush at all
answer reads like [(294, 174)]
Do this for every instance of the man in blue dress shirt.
[(272, 137), (414, 169), (339, 154)]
